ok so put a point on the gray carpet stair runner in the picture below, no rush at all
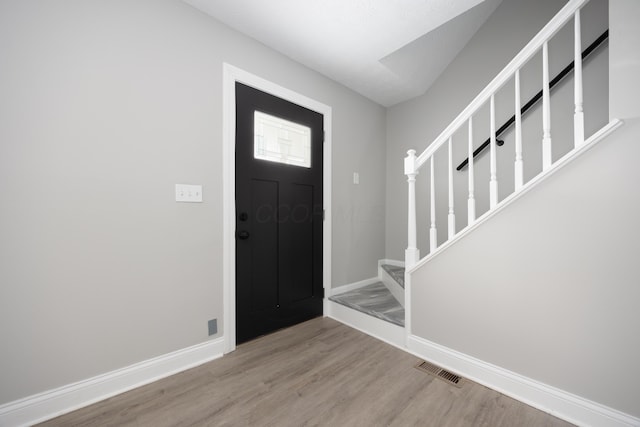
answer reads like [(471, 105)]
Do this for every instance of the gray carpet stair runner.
[(396, 273), (375, 299)]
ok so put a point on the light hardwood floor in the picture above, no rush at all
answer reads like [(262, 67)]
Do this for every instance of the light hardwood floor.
[(319, 373)]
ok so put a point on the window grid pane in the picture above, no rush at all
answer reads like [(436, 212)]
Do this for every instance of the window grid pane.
[(281, 141)]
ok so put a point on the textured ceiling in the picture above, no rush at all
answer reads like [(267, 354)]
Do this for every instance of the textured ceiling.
[(386, 50)]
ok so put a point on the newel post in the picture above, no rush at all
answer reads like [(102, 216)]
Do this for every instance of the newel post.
[(411, 254)]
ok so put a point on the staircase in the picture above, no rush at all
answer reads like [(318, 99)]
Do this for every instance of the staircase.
[(374, 300), (462, 136), (374, 306), (385, 298)]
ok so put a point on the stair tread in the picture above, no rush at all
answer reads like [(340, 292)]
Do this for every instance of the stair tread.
[(396, 273), (374, 300)]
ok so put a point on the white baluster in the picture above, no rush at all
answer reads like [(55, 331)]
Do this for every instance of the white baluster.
[(471, 203), (546, 110), (433, 233), (493, 179), (452, 216), (411, 254), (578, 117), (519, 168)]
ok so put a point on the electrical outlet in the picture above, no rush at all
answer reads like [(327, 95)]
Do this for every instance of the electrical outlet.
[(213, 326)]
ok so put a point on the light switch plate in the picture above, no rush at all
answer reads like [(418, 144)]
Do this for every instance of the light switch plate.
[(188, 193)]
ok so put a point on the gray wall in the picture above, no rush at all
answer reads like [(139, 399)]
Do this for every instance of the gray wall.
[(104, 106), (415, 123), (625, 59), (556, 299)]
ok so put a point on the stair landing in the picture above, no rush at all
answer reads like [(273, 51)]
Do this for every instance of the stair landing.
[(374, 300)]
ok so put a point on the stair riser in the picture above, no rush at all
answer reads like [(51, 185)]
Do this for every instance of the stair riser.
[(396, 290)]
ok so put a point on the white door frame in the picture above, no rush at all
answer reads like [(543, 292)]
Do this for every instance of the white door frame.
[(231, 75)]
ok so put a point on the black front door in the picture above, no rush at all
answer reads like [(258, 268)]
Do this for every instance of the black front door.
[(278, 213)]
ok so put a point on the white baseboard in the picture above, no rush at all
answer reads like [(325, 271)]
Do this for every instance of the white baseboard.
[(351, 286), (53, 403), (556, 402), (377, 328)]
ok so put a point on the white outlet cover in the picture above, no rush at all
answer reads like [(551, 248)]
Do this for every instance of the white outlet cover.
[(189, 193)]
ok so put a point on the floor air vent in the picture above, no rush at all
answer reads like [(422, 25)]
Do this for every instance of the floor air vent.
[(438, 372)]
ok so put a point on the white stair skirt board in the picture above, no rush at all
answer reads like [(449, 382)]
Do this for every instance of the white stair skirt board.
[(556, 402), (377, 328), (351, 286), (53, 403), (396, 290)]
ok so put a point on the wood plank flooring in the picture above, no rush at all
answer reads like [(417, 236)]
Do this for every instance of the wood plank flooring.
[(318, 373)]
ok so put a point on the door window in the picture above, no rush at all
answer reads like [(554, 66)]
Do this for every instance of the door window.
[(281, 141)]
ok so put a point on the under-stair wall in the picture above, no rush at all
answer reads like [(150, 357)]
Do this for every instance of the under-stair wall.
[(549, 287)]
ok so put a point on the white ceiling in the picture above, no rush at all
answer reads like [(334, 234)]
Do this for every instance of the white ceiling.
[(386, 50)]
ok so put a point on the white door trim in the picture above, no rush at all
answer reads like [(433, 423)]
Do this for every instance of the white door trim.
[(231, 75)]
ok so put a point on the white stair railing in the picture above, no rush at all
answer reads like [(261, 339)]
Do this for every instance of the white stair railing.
[(413, 164)]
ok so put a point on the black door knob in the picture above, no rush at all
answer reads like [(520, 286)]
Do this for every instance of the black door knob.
[(242, 234), (243, 216)]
